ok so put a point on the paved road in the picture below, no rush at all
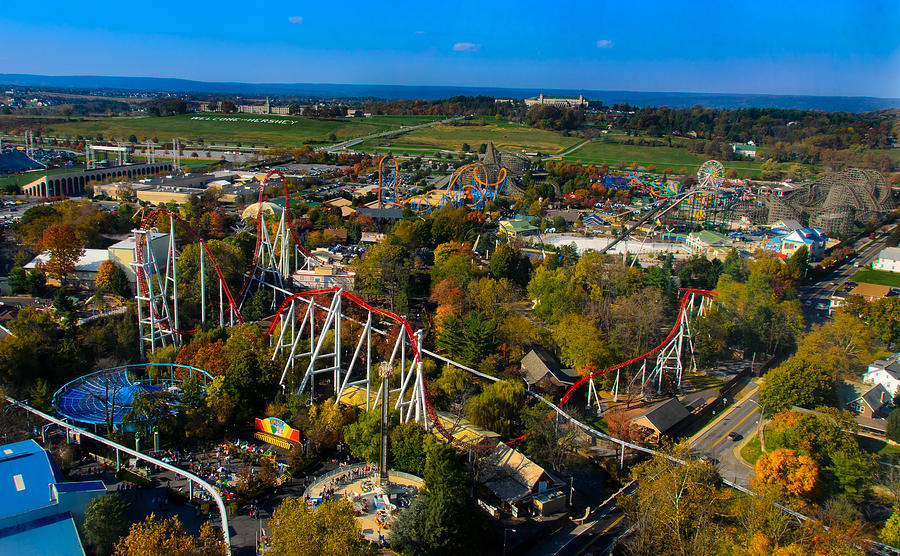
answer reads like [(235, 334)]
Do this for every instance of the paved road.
[(816, 294), (742, 419)]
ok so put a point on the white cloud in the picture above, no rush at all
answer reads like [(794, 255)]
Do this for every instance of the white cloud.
[(420, 32), (466, 47), (296, 19), (604, 43)]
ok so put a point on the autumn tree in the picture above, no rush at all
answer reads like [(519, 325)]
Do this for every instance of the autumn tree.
[(331, 528), (167, 537), (674, 506), (789, 472), (64, 249), (111, 278)]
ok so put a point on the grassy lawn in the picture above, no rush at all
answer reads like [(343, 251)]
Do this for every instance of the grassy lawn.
[(882, 277), (752, 450), (506, 137), (216, 129), (704, 382), (28, 177)]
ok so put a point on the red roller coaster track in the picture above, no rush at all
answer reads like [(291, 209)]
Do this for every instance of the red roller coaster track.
[(432, 413)]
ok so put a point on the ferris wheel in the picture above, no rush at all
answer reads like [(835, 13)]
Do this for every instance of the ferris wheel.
[(711, 174)]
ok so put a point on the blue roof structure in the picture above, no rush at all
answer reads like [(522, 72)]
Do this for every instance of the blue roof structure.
[(26, 473), (36, 507), (54, 534)]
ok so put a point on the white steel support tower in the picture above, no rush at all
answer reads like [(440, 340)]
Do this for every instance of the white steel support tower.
[(155, 323), (301, 333)]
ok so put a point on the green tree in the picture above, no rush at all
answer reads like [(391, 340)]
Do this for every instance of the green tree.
[(468, 340), (893, 426), (507, 262), (364, 436), (407, 447), (105, 522), (883, 316), (18, 280), (798, 264), (795, 383), (331, 528), (386, 270), (497, 407), (890, 533), (581, 344)]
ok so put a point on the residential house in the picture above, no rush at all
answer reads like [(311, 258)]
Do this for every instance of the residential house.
[(888, 259), (872, 403), (885, 372), (871, 292), (744, 149)]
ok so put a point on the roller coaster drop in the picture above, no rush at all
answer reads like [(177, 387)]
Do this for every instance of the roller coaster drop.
[(469, 186)]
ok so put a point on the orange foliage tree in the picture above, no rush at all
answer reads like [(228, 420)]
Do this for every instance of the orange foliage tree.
[(64, 247), (788, 471)]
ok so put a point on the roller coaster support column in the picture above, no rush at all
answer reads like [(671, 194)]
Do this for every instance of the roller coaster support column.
[(172, 271), (202, 287), (156, 325)]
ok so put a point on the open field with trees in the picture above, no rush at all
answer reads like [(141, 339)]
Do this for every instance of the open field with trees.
[(214, 129)]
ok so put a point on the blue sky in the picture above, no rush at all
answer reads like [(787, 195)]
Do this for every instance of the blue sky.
[(825, 47)]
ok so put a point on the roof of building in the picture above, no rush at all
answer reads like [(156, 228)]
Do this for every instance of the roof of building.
[(538, 362), (252, 211), (807, 236), (90, 261), (510, 474), (743, 147), (570, 216), (709, 237), (53, 534), (890, 253), (128, 243), (664, 415), (386, 213), (517, 226), (876, 291), (26, 471), (890, 367), (339, 202), (789, 224), (870, 423), (875, 397)]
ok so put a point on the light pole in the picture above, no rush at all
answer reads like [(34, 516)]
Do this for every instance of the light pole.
[(505, 531)]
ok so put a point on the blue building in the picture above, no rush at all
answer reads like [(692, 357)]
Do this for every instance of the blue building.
[(38, 510)]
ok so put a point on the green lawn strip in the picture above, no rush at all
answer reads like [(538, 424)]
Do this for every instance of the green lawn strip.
[(704, 382), (882, 277), (752, 450)]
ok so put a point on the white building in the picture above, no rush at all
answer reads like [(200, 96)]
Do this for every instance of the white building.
[(888, 259), (885, 372), (325, 276)]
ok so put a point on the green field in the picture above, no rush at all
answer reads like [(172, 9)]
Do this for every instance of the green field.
[(506, 137), (882, 277), (28, 177), (217, 130), (675, 157)]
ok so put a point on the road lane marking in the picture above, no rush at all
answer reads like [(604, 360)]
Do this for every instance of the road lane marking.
[(734, 427), (603, 532)]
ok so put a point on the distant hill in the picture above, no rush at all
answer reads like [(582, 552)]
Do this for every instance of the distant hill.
[(395, 92)]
